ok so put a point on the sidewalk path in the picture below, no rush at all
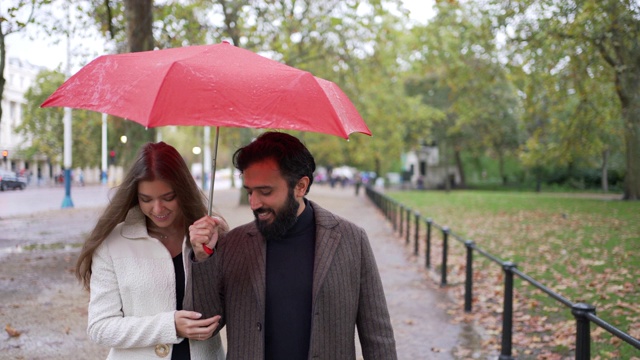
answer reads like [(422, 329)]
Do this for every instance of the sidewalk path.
[(40, 297)]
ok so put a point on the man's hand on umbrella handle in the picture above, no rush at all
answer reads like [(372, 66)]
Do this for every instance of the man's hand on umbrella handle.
[(203, 235)]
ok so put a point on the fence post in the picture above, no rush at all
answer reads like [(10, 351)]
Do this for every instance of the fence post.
[(389, 209), (468, 282), (507, 313), (395, 216), (583, 330), (386, 208), (428, 250), (417, 234), (408, 232), (401, 227), (445, 248)]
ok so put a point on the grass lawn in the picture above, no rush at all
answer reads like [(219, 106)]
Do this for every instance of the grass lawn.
[(584, 248)]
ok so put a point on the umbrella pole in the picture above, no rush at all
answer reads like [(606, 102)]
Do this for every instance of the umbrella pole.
[(213, 169)]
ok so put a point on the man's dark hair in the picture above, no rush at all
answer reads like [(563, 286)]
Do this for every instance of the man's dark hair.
[(292, 157)]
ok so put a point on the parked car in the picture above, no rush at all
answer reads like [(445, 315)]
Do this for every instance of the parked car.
[(10, 180)]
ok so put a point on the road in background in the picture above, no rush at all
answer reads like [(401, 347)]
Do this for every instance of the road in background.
[(36, 199)]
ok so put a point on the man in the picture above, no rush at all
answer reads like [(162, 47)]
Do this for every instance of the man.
[(295, 283)]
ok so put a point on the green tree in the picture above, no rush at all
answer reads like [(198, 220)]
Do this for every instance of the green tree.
[(457, 70), (579, 46), (337, 41), (399, 121), (43, 127)]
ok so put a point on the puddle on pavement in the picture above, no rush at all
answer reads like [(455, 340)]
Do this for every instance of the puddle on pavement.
[(471, 346)]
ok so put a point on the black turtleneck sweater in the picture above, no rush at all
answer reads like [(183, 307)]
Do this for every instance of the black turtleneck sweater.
[(289, 287)]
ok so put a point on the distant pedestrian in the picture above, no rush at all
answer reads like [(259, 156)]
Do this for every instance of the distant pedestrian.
[(133, 264), (297, 282), (357, 182)]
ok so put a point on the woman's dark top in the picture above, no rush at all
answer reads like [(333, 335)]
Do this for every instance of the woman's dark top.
[(181, 350)]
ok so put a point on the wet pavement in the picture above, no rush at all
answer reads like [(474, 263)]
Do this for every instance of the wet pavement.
[(40, 298)]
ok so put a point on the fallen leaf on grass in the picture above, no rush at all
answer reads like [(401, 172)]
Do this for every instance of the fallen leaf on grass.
[(11, 331), (635, 331), (615, 341)]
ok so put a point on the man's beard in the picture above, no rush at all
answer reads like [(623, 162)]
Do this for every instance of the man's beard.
[(285, 218)]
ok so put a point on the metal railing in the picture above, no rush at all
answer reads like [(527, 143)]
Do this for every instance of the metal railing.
[(400, 216)]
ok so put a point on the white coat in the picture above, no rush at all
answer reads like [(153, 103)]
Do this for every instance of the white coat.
[(133, 297)]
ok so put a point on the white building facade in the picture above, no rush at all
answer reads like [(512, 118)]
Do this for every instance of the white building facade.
[(424, 169), (19, 76)]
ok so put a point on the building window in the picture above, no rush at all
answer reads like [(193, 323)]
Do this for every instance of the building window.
[(13, 109)]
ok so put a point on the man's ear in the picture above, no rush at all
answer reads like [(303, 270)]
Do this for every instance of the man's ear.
[(301, 187)]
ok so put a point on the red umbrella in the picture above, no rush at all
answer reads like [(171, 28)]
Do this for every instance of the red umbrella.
[(209, 85), (217, 85)]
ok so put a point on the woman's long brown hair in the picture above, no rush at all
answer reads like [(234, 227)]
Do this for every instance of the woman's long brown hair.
[(155, 161)]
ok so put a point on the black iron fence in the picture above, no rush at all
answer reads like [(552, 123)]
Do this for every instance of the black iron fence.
[(402, 219)]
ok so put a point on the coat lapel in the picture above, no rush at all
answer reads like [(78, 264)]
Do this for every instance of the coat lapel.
[(257, 257), (327, 241)]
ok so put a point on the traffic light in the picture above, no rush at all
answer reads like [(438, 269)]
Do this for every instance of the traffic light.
[(112, 157), (5, 153)]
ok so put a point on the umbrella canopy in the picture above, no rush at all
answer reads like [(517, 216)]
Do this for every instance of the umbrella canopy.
[(209, 85)]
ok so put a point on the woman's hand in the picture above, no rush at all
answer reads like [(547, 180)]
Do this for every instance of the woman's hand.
[(205, 231), (189, 325)]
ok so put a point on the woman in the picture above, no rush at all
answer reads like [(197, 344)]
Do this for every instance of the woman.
[(135, 260)]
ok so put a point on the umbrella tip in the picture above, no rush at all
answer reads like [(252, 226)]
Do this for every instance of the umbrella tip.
[(225, 42)]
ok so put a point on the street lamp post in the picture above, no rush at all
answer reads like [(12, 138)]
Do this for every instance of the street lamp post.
[(103, 173), (196, 151), (67, 202)]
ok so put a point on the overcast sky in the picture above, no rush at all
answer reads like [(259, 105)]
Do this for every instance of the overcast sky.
[(51, 56)]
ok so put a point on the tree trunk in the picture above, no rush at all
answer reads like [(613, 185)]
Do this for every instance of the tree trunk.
[(139, 19), (632, 140), (629, 93), (605, 170), (231, 11), (445, 162), (244, 197), (463, 180), (501, 167)]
